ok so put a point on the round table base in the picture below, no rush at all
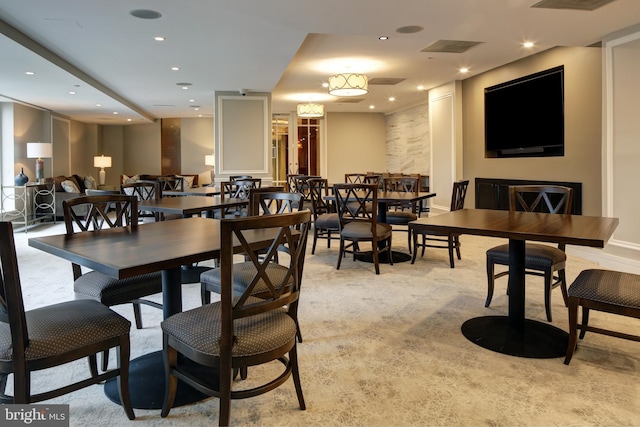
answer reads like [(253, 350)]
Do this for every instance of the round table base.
[(383, 258), (147, 385), (535, 340)]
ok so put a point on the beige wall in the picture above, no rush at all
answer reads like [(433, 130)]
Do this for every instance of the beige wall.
[(196, 142), (355, 143), (583, 100), (141, 149)]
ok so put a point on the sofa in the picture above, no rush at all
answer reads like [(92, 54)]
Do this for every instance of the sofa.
[(190, 180), (64, 189)]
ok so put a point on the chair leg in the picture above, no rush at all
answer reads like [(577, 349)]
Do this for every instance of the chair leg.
[(456, 241), (225, 393), (123, 378), (21, 387), (573, 329), (137, 315), (315, 240), (415, 247), (205, 295), (293, 359), (374, 248), (105, 360), (409, 239), (171, 382), (563, 286), (490, 283), (450, 242), (548, 276), (585, 321), (340, 253), (424, 244)]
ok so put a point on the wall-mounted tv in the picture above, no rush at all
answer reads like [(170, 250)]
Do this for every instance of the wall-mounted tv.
[(525, 117)]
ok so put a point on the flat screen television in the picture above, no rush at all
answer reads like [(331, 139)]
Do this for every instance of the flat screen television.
[(525, 117)]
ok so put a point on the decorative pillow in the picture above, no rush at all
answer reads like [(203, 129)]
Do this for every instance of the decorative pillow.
[(129, 179), (79, 182), (188, 180), (70, 186), (90, 183)]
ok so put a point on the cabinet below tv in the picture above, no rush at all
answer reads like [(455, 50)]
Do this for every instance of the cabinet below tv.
[(493, 193)]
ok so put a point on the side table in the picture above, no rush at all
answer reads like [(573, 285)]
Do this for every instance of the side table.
[(28, 204)]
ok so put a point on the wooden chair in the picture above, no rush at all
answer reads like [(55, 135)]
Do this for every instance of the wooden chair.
[(143, 190), (239, 189), (301, 185), (241, 330), (326, 223), (357, 206), (401, 214), (601, 290), (354, 178), (90, 213), (239, 177), (540, 260), (54, 335), (448, 241)]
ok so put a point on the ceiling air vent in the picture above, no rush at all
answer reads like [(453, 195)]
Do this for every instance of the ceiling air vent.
[(386, 81), (348, 100), (572, 4), (450, 46)]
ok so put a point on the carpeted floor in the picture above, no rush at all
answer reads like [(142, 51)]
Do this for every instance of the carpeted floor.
[(386, 350)]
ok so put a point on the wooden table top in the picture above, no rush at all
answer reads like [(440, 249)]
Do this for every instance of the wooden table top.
[(129, 251), (554, 228), (189, 205), (198, 191)]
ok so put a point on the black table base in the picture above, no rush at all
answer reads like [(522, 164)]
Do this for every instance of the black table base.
[(191, 273), (147, 385), (534, 340), (383, 257)]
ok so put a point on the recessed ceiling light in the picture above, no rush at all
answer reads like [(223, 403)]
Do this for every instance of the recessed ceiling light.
[(71, 92), (527, 44), (371, 107), (391, 98), (30, 73), (420, 87), (115, 112), (383, 38), (159, 38), (128, 120), (175, 68), (145, 14), (464, 70), (325, 84), (98, 105), (192, 100)]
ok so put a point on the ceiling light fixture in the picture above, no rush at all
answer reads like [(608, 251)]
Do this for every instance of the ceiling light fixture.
[(159, 38), (527, 44), (348, 84), (383, 38), (464, 70), (310, 110)]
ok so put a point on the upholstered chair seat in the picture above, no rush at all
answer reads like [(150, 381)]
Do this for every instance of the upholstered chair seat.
[(328, 220), (110, 291), (362, 230), (538, 257)]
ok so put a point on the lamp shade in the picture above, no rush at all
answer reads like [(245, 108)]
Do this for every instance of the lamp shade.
[(310, 110), (102, 161), (209, 160), (39, 150), (348, 84)]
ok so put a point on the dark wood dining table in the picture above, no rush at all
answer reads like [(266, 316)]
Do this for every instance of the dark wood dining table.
[(197, 191), (190, 205), (124, 252), (514, 334)]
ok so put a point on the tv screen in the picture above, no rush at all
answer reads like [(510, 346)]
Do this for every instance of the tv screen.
[(525, 117)]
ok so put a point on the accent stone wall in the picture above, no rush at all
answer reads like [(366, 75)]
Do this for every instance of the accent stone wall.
[(408, 146)]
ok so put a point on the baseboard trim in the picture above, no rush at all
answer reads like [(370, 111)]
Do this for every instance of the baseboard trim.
[(606, 260)]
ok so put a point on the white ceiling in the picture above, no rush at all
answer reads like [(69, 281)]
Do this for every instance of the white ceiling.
[(287, 47)]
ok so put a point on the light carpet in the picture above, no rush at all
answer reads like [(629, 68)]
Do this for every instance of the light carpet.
[(385, 350)]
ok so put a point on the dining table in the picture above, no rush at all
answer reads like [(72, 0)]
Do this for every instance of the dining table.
[(514, 334), (124, 252), (196, 191), (385, 200), (191, 205)]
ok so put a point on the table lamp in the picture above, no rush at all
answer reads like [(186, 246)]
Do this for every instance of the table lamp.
[(102, 162), (209, 160), (38, 151)]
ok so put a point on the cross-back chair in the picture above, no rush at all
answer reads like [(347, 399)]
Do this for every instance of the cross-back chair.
[(301, 183), (54, 335), (540, 260), (91, 213), (401, 214), (357, 206), (239, 189), (448, 241), (325, 218), (241, 330), (143, 190)]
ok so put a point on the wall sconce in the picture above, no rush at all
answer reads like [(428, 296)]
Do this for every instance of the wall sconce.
[(102, 162), (38, 151), (209, 160), (348, 85)]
